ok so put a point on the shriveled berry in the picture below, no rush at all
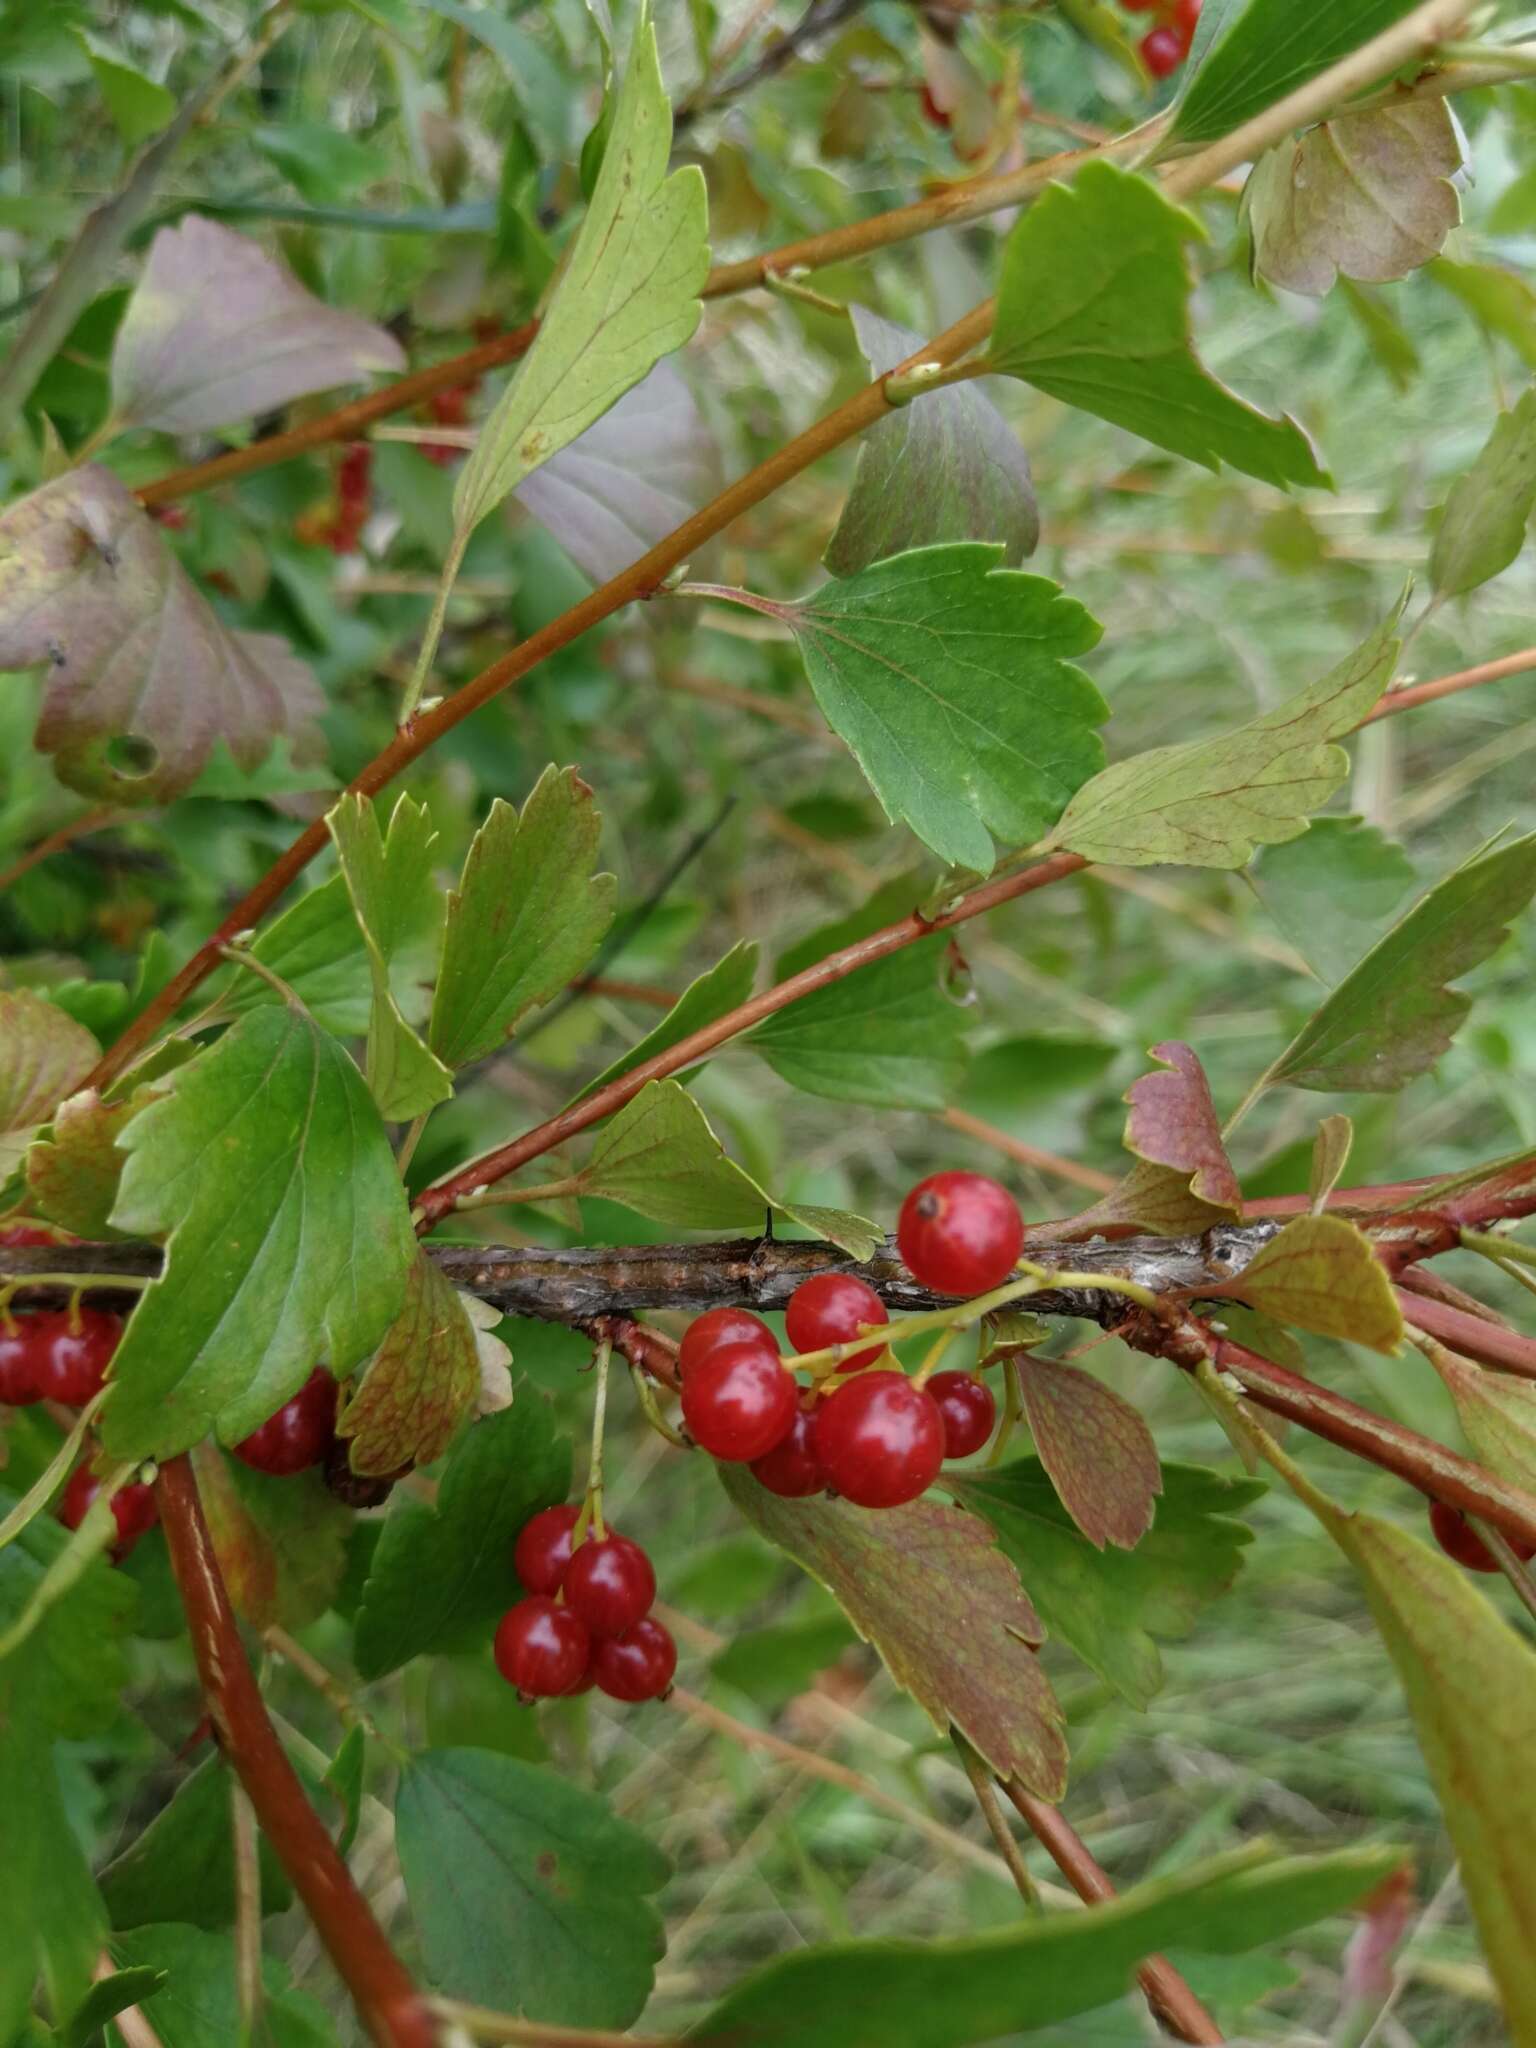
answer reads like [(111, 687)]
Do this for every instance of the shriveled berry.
[(134, 1508), (543, 1548), (18, 1364), (968, 1410), (791, 1469), (717, 1326), (833, 1308), (609, 1582), (960, 1233), (71, 1353), (879, 1439), (1162, 51), (1459, 1540), (637, 1665), (738, 1402), (541, 1648), (298, 1435)]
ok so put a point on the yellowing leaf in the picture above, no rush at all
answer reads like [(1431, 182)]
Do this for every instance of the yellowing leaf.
[(1498, 1412), (420, 1383), (44, 1056), (1209, 803), (72, 1174), (1320, 1274), (281, 1542)]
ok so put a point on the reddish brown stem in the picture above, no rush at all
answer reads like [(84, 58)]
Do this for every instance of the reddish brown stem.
[(391, 2009), (1473, 1336), (1175, 2005), (1448, 686), (66, 835)]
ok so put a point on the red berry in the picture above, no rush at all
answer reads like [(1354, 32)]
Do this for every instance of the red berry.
[(960, 1233), (932, 111), (719, 1326), (298, 1435), (637, 1665), (134, 1508), (1162, 51), (543, 1548), (1185, 20), (738, 1402), (1459, 1540), (542, 1649), (968, 1409), (791, 1469), (609, 1583), (353, 474), (32, 1233), (71, 1353), (880, 1440), (830, 1309), (18, 1370)]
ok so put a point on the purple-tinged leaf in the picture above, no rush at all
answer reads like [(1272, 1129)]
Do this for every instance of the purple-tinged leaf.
[(1096, 1447), (219, 331), (135, 652), (420, 1383), (44, 1056)]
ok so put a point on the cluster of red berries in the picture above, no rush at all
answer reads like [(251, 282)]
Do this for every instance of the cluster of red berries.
[(449, 408), (1164, 47), (53, 1354), (1460, 1541), (875, 1437), (586, 1619)]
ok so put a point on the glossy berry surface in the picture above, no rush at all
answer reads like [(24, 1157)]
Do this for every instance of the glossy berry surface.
[(543, 1548), (298, 1435), (18, 1375), (609, 1584), (1459, 1540), (829, 1309), (738, 1402), (968, 1410), (880, 1440), (542, 1649), (1185, 20), (1162, 51), (717, 1326), (637, 1665), (134, 1508), (791, 1469), (960, 1233), (71, 1353)]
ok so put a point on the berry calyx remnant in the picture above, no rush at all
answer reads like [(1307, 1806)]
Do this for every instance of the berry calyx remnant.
[(298, 1435), (541, 1648), (738, 1402), (833, 1308), (637, 1665), (960, 1233), (968, 1409), (879, 1440)]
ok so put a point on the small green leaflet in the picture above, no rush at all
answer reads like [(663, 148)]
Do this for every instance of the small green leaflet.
[(290, 1239), (1247, 54), (525, 918), (200, 2005), (317, 948), (1394, 1015), (530, 1895), (887, 1034), (400, 913), (138, 105), (1320, 1274), (714, 994), (1332, 890), (1209, 803), (629, 295), (949, 1994), (1093, 308), (182, 1865), (950, 680), (107, 1997), (1482, 528)]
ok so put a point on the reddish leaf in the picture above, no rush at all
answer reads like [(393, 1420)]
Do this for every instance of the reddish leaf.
[(1096, 1447), (281, 1543), (1173, 1123), (419, 1384)]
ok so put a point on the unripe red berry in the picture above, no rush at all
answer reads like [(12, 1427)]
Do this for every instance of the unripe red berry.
[(738, 1402), (1459, 1540), (719, 1326), (791, 1469), (968, 1410), (831, 1308), (18, 1364), (960, 1233), (543, 1548), (1162, 51), (542, 1649), (637, 1665), (879, 1439), (609, 1583), (71, 1353), (134, 1508), (298, 1435)]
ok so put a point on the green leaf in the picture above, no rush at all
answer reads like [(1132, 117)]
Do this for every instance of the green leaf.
[(138, 106), (1497, 1412), (70, 1672), (527, 1891), (947, 467), (1500, 301), (400, 912), (105, 1999), (971, 1663), (1096, 1447), (1331, 890), (1093, 309), (420, 1383), (281, 1542), (1388, 340), (1208, 803), (949, 679), (442, 1576), (948, 1994), (200, 2005), (50, 1909), (44, 1056), (182, 1865), (73, 1172), (290, 1238), (1483, 526), (1394, 1015), (1110, 1605), (1320, 1274), (887, 1034), (628, 296), (344, 1777), (318, 949), (774, 1665), (525, 918), (1249, 53), (721, 989)]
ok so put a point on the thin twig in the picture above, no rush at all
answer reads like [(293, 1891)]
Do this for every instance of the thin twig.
[(65, 835), (242, 1821), (985, 1787)]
